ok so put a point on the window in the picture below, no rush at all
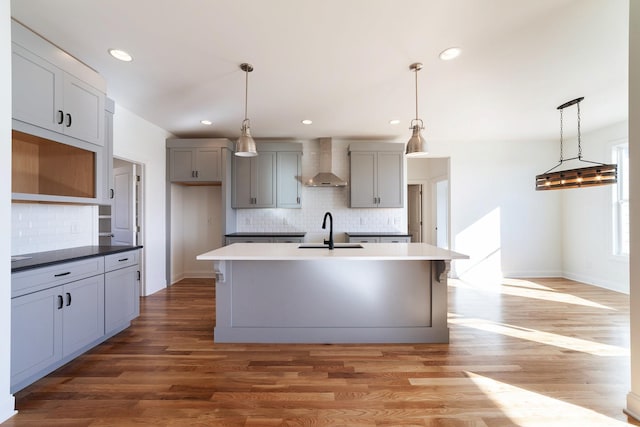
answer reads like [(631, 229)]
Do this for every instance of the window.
[(621, 201)]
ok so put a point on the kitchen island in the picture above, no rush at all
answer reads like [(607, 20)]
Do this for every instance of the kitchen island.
[(291, 293)]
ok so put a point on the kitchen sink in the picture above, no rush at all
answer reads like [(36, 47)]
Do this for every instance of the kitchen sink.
[(335, 246)]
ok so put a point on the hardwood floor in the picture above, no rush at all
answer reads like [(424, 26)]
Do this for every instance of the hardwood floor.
[(527, 353)]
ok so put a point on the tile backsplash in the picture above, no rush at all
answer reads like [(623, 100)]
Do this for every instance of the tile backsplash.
[(315, 202), (38, 227)]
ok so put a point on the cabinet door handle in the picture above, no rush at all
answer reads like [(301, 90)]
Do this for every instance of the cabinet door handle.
[(60, 117), (112, 193), (68, 120), (123, 259), (68, 299), (196, 174), (62, 274), (139, 275), (59, 302), (298, 199)]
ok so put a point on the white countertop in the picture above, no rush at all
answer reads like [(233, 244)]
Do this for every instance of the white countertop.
[(291, 252)]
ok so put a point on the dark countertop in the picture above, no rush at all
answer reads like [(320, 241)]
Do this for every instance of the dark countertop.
[(383, 234), (267, 234), (42, 259)]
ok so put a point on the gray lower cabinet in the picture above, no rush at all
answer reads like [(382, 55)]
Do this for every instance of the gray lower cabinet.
[(61, 311), (121, 291), (49, 325)]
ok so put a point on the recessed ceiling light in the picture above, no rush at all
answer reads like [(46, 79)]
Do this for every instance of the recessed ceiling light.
[(306, 122), (451, 53), (206, 122), (121, 55), (394, 122)]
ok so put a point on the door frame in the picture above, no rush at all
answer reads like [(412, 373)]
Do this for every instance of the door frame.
[(139, 214)]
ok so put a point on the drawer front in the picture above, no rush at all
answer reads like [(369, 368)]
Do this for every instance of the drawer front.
[(231, 240), (26, 282), (395, 239), (288, 239), (121, 260), (371, 239)]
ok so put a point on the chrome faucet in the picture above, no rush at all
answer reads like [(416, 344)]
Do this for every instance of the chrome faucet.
[(324, 226)]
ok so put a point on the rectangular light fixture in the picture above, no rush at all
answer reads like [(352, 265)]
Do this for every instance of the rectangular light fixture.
[(600, 174)]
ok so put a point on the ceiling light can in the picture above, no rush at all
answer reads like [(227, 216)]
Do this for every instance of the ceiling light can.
[(121, 55)]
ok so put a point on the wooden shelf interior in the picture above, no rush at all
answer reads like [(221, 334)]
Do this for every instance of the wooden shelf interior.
[(42, 166)]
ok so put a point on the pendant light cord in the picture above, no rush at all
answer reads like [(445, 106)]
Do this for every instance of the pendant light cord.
[(246, 92), (579, 143), (416, 72)]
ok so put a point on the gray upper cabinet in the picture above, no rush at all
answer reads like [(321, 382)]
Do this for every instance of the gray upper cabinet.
[(254, 181), (272, 179), (377, 175), (48, 97), (59, 112), (289, 179), (195, 164)]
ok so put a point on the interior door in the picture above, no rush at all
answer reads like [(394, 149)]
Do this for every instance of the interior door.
[(414, 211), (124, 204)]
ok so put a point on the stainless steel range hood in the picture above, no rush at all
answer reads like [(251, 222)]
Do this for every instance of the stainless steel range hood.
[(326, 178)]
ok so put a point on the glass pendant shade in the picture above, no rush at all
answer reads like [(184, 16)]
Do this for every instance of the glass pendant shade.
[(417, 145), (246, 146)]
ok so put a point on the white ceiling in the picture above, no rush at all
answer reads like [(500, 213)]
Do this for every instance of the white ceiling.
[(345, 63)]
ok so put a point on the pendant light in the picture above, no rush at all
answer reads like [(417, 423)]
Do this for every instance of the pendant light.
[(592, 175), (417, 146), (246, 146)]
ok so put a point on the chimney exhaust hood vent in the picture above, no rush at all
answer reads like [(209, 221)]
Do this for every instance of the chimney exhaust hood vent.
[(326, 178)]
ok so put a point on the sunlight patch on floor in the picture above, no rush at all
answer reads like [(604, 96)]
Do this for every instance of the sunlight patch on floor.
[(527, 289), (561, 341), (526, 408)]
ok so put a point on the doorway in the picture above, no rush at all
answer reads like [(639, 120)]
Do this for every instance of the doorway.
[(428, 200), (414, 212), (128, 208)]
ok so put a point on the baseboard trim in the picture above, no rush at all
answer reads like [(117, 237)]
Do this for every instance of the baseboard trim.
[(633, 406), (7, 409)]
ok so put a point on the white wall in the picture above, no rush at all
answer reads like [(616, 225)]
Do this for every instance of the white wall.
[(497, 217), (6, 399), (587, 218), (633, 398), (138, 141), (196, 227), (316, 201)]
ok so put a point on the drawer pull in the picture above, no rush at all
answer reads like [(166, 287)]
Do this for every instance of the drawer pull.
[(60, 302), (60, 117), (62, 274), (123, 259), (68, 299)]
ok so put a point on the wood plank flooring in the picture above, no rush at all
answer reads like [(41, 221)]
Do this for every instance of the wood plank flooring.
[(546, 352)]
